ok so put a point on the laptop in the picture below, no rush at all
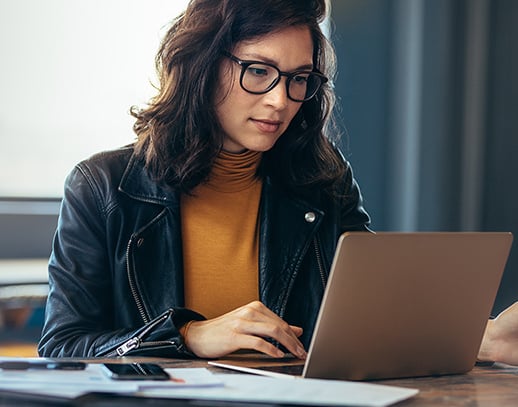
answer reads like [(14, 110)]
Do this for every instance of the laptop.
[(400, 304)]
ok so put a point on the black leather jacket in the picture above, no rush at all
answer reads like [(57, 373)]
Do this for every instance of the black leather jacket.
[(116, 274)]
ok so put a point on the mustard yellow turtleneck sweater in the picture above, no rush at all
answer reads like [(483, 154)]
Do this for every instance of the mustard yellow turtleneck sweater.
[(220, 236)]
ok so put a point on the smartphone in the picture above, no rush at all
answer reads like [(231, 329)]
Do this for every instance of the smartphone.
[(135, 371), (25, 364)]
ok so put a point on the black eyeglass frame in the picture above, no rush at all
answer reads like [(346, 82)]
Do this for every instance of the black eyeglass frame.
[(244, 64)]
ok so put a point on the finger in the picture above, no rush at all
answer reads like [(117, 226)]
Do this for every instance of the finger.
[(269, 314), (257, 311), (282, 333), (260, 345), (279, 330), (297, 330)]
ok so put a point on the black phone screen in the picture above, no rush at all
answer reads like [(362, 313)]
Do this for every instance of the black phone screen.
[(135, 371)]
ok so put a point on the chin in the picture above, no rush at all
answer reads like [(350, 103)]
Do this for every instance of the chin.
[(262, 145), (260, 149)]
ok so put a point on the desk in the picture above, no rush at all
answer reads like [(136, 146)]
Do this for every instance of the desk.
[(484, 386), (495, 386)]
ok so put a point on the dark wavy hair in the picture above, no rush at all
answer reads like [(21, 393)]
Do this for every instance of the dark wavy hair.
[(178, 133)]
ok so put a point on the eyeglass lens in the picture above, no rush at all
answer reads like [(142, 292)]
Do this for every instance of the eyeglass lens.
[(259, 78)]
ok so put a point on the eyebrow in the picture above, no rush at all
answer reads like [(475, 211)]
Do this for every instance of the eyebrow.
[(260, 58)]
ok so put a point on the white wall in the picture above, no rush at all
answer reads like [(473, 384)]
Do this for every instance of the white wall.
[(69, 72)]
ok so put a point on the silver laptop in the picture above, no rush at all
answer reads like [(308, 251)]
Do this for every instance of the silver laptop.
[(400, 305)]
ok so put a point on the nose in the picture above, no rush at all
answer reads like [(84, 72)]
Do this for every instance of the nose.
[(278, 96)]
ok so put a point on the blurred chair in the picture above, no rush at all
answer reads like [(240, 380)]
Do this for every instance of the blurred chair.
[(23, 293)]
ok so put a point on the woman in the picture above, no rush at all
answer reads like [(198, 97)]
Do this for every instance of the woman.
[(216, 230)]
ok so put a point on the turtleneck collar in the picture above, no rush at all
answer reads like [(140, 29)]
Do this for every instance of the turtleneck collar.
[(233, 172)]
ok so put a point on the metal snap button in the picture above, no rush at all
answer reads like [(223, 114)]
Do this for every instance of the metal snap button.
[(310, 217)]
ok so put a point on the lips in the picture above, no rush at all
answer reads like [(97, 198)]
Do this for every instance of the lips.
[(267, 126)]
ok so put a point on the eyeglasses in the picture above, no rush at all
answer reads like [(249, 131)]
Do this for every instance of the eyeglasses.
[(260, 77)]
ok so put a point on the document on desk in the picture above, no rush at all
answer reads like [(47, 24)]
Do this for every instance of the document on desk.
[(70, 384), (259, 389), (199, 384)]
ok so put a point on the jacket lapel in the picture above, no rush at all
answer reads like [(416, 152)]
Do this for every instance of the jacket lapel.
[(154, 255), (137, 184), (287, 228)]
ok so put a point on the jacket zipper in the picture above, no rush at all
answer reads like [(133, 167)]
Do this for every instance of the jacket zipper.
[(136, 341), (318, 255), (131, 281), (321, 271)]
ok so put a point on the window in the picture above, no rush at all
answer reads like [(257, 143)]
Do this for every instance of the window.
[(70, 72)]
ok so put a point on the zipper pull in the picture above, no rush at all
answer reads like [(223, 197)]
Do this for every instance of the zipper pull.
[(133, 343)]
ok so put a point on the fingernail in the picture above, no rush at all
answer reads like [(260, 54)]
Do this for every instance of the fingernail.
[(301, 353)]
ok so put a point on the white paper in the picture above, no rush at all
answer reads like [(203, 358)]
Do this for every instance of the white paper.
[(200, 383), (251, 388), (72, 384)]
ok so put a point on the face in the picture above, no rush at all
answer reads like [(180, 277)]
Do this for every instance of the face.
[(255, 122)]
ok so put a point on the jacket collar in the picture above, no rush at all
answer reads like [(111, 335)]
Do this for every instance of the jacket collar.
[(137, 183)]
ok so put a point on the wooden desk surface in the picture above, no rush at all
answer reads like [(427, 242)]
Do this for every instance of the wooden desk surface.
[(484, 386), (493, 386)]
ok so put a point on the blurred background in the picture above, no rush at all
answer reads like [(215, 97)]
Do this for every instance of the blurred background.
[(428, 107)]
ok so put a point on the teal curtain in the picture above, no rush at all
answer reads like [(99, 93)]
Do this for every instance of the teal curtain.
[(428, 104)]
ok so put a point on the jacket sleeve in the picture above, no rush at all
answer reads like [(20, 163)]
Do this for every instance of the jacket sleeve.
[(80, 310)]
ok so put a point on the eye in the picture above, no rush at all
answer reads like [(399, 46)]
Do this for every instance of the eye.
[(257, 70), (300, 79)]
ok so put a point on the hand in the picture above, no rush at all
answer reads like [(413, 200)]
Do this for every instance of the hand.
[(500, 341), (244, 328)]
